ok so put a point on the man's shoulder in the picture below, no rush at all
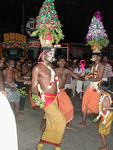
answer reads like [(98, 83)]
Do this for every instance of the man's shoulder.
[(37, 66), (108, 65), (101, 65), (6, 69), (56, 68)]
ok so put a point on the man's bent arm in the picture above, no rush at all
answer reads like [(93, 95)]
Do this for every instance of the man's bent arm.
[(34, 81)]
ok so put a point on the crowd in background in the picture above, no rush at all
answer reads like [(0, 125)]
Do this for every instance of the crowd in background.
[(23, 74)]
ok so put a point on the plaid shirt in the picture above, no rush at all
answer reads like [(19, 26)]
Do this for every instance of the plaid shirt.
[(108, 71)]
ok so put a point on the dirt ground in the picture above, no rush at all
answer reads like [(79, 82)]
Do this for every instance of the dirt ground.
[(80, 139)]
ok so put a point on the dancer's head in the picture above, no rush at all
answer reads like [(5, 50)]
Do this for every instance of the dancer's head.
[(47, 54)]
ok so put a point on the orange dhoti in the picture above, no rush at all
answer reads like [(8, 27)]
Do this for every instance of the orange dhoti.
[(55, 121), (90, 100), (65, 105)]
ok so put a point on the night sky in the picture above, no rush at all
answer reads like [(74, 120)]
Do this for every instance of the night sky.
[(75, 15)]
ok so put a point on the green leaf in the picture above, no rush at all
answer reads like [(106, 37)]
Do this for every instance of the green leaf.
[(34, 33), (94, 120)]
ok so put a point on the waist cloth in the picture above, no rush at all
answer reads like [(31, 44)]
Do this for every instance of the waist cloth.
[(91, 99), (55, 121), (12, 96), (107, 127), (65, 105)]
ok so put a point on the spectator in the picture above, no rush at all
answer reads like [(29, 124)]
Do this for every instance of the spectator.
[(108, 73)]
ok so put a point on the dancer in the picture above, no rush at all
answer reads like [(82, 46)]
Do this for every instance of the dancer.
[(97, 39), (106, 115), (65, 104), (91, 96), (43, 77)]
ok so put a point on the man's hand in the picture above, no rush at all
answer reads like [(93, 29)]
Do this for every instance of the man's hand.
[(13, 89), (87, 77)]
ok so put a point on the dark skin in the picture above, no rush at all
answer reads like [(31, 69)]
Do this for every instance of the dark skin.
[(100, 71), (105, 106), (2, 87), (18, 75), (42, 75), (62, 74), (9, 74)]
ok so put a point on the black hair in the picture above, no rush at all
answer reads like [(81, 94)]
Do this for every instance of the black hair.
[(61, 57), (98, 54), (9, 58), (46, 49)]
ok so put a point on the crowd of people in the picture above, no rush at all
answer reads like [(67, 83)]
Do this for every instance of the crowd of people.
[(58, 84)]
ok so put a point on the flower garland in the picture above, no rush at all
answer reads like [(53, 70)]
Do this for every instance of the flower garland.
[(93, 74), (41, 100), (101, 114)]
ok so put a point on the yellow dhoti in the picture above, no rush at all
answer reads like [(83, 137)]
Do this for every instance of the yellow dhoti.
[(55, 124), (107, 127)]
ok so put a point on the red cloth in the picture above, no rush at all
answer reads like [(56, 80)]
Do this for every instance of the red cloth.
[(49, 98)]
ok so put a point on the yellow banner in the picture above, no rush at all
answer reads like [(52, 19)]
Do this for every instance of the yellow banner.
[(14, 37)]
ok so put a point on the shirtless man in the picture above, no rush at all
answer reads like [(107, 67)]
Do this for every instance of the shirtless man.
[(43, 77), (65, 104), (92, 95), (8, 131), (10, 86), (21, 81)]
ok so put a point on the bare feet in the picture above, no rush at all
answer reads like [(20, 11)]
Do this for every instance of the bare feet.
[(82, 125), (103, 148), (70, 128)]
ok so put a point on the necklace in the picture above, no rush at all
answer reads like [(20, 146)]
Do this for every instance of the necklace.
[(101, 114), (52, 75), (40, 102)]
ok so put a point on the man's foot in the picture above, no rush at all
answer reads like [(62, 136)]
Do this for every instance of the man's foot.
[(40, 146), (57, 148), (82, 125), (103, 148), (70, 128)]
